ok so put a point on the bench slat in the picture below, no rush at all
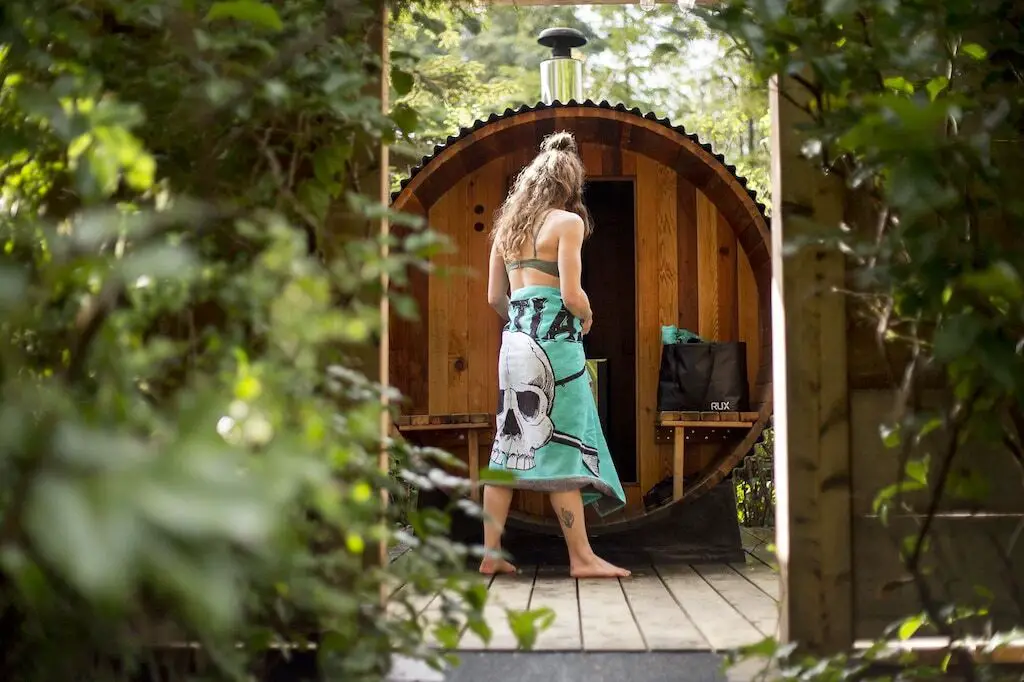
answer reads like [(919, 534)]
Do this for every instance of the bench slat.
[(475, 419), (667, 418)]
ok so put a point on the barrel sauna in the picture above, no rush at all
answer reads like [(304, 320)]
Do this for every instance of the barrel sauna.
[(672, 220), (669, 215)]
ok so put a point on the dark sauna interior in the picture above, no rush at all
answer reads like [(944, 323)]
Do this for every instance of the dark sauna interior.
[(609, 278)]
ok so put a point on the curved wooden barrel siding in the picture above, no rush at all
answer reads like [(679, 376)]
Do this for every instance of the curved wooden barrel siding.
[(703, 263)]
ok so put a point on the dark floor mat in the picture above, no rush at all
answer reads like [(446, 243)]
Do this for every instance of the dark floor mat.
[(575, 667)]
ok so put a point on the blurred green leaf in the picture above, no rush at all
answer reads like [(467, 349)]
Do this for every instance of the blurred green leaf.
[(900, 84), (249, 11), (527, 625), (974, 51), (909, 627), (402, 81), (405, 117)]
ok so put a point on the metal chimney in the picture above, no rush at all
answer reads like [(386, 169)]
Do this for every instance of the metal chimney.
[(561, 76)]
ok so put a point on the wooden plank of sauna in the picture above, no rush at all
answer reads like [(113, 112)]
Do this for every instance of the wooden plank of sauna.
[(756, 606), (686, 255), (458, 298), (668, 246), (507, 591), (728, 309), (555, 590), (663, 624), (648, 336), (437, 322), (629, 161), (492, 199), (483, 322), (606, 622), (764, 577), (749, 315), (592, 156), (722, 625), (709, 326), (408, 340)]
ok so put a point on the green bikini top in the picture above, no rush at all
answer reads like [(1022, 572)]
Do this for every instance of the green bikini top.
[(548, 267)]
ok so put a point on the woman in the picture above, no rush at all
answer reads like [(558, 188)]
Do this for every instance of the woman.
[(547, 432)]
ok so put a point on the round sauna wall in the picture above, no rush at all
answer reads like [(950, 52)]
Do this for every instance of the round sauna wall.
[(677, 240)]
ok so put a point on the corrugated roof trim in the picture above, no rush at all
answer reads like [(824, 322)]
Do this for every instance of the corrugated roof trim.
[(539, 106)]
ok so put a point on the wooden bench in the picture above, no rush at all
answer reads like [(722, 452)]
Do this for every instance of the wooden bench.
[(712, 424), (470, 425)]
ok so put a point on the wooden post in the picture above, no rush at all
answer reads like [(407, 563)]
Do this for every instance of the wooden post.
[(812, 445), (678, 461), (382, 183)]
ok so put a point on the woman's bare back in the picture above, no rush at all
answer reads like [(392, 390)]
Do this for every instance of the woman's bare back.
[(547, 238)]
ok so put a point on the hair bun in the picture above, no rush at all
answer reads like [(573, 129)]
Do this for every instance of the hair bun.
[(562, 141)]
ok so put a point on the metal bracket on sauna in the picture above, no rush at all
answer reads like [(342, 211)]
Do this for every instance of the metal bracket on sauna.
[(689, 245)]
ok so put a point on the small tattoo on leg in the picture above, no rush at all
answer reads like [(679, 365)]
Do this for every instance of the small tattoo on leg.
[(567, 517)]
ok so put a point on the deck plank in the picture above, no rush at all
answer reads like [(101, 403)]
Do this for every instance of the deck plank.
[(757, 542), (557, 591), (748, 539), (606, 621), (664, 626), (718, 621), (765, 556), (748, 599), (507, 591), (764, 577), (402, 601), (434, 615)]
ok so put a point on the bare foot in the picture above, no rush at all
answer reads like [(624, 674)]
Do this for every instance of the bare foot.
[(596, 567), (495, 565)]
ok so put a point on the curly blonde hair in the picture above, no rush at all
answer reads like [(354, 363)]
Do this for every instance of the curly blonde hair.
[(553, 180)]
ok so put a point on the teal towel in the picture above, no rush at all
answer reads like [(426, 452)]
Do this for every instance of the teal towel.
[(686, 336), (547, 430), (671, 334)]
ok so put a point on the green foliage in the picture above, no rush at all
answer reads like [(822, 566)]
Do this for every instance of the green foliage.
[(468, 64), (670, 62), (755, 485), (190, 419), (916, 108), (464, 64)]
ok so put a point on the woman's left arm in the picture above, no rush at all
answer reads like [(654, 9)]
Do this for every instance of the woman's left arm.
[(497, 284)]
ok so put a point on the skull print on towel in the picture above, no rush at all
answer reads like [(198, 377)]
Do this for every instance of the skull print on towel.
[(526, 386)]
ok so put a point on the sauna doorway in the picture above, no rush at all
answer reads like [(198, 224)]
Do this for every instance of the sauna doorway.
[(609, 278)]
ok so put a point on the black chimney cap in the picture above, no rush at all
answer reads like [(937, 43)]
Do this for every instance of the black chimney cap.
[(561, 40)]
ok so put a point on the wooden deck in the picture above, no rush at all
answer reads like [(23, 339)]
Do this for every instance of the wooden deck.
[(675, 607)]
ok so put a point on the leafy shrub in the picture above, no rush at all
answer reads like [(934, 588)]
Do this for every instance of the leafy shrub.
[(189, 440), (755, 485), (914, 112)]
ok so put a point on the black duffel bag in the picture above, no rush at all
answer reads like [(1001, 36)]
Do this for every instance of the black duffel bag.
[(703, 377)]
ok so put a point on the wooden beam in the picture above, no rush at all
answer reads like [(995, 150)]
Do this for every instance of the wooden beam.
[(812, 443), (380, 35)]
